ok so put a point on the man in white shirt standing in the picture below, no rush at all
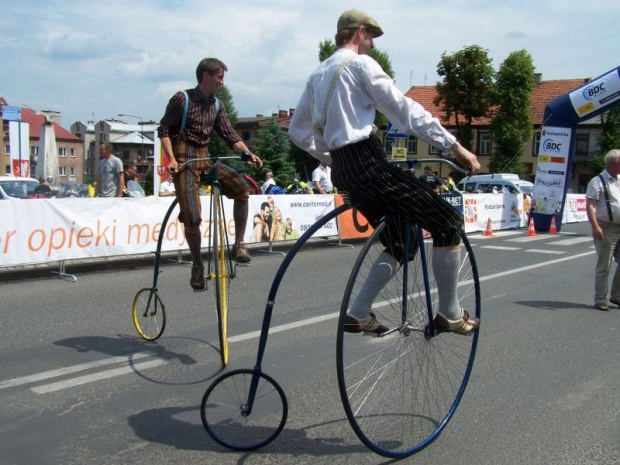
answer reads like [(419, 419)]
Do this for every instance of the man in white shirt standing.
[(603, 210), (269, 181), (322, 179), (166, 188), (334, 121)]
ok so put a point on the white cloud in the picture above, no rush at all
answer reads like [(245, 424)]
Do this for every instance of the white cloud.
[(101, 59)]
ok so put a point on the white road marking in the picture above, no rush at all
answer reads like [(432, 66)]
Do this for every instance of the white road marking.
[(52, 387), (538, 237), (549, 252), (572, 241), (68, 370), (242, 337), (499, 247)]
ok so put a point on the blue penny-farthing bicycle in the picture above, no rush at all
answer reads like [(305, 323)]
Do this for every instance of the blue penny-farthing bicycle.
[(399, 390)]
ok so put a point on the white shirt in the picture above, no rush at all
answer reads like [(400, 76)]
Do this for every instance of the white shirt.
[(596, 192), (166, 187), (266, 184), (323, 175), (361, 87)]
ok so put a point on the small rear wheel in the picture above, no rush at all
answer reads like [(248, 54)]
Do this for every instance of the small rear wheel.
[(224, 411), (149, 314)]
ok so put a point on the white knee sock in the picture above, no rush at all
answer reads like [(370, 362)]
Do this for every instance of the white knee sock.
[(446, 269), (383, 269)]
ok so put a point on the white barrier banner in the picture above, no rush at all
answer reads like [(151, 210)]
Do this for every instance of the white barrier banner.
[(504, 210), (575, 209), (38, 230)]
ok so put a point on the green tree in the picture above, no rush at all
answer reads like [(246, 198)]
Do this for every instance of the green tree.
[(609, 138), (511, 126), (465, 92), (304, 163), (272, 145), (217, 146)]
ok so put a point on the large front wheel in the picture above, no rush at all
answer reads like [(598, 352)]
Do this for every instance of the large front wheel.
[(400, 390), (226, 417), (221, 276)]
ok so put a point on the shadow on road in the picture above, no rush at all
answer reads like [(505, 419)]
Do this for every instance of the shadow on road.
[(167, 426), (553, 304), (187, 360)]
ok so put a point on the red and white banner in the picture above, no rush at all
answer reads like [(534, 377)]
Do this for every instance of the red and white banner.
[(38, 230)]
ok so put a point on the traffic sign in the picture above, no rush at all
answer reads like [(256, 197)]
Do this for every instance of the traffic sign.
[(399, 153), (392, 132)]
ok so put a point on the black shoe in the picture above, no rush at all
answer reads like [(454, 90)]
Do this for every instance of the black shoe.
[(197, 281)]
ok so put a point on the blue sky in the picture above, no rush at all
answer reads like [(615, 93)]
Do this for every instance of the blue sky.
[(91, 60)]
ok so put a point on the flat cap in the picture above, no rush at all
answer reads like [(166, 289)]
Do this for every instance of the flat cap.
[(352, 19)]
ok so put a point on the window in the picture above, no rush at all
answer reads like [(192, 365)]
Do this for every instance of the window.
[(582, 145), (34, 151), (72, 171), (7, 149), (536, 148), (484, 143), (72, 153), (62, 152), (434, 150), (62, 171), (388, 145), (412, 144)]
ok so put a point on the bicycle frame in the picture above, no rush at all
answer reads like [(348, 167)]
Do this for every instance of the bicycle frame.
[(411, 163)]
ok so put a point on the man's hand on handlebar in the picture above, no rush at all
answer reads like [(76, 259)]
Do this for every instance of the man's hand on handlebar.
[(173, 166), (252, 158), (466, 158)]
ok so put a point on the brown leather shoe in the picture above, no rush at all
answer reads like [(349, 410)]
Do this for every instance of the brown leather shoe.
[(197, 281), (369, 324), (240, 253), (602, 307), (465, 325)]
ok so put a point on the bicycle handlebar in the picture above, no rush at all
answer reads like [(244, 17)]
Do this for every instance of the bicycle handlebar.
[(411, 162), (213, 159)]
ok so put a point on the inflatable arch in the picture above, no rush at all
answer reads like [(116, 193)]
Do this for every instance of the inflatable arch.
[(558, 139)]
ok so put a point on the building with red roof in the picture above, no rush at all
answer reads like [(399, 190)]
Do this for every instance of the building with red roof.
[(70, 148)]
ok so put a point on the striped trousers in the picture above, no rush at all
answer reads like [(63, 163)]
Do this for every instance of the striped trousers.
[(362, 173)]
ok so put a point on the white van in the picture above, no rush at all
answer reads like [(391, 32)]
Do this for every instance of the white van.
[(502, 183)]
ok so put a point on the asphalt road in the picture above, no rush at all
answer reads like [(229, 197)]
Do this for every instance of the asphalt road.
[(78, 386)]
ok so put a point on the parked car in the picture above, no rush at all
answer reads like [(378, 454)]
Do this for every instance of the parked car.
[(17, 188), (503, 183)]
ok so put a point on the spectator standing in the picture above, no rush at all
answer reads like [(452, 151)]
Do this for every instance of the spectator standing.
[(130, 174), (268, 184), (431, 179), (322, 179), (166, 188), (43, 187), (110, 181), (603, 210)]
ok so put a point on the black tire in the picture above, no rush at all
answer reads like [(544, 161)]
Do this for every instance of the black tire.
[(149, 314), (400, 390), (224, 416)]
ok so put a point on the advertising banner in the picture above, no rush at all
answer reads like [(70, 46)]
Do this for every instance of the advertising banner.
[(38, 231), (597, 94), (352, 224), (548, 192), (504, 210), (575, 209)]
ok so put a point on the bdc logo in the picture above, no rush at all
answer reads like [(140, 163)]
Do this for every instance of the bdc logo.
[(592, 91), (550, 146)]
